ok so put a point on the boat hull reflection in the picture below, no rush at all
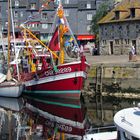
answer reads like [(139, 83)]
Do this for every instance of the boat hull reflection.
[(68, 117)]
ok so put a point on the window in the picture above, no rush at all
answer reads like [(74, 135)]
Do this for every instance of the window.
[(34, 25), (117, 42), (117, 15), (118, 135), (89, 16), (132, 10), (88, 28), (121, 41), (137, 26), (15, 14), (88, 5), (44, 15), (16, 24), (33, 6), (21, 14), (6, 24), (66, 1), (44, 26), (66, 11), (126, 136), (16, 3), (126, 41), (104, 42)]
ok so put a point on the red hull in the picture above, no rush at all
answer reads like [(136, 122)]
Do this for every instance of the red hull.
[(67, 82)]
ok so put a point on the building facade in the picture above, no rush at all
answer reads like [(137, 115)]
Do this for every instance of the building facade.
[(39, 16), (119, 30)]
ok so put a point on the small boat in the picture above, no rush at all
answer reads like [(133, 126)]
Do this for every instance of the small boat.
[(127, 122), (66, 69), (9, 86), (101, 133)]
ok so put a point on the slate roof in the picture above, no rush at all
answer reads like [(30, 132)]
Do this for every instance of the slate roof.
[(124, 9)]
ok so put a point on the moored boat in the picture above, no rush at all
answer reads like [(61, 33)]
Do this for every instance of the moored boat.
[(101, 133), (127, 123), (10, 87), (66, 83), (66, 71)]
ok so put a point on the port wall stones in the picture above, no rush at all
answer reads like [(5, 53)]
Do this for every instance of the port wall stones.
[(126, 75)]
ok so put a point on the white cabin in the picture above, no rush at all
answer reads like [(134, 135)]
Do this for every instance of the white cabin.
[(127, 122)]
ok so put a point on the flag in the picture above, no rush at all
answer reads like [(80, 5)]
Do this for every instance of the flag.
[(54, 43)]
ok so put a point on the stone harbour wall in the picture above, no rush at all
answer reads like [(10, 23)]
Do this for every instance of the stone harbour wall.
[(124, 78)]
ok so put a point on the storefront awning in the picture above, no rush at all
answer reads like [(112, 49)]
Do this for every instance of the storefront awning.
[(85, 37)]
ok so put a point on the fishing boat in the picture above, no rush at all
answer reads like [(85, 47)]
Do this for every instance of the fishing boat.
[(9, 86), (51, 115), (127, 123), (65, 71)]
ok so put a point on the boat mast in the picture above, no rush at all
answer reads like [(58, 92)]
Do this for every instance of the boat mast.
[(9, 77), (9, 17), (13, 31)]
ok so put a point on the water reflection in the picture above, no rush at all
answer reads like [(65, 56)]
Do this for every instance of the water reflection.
[(12, 123), (63, 119), (39, 119), (102, 113)]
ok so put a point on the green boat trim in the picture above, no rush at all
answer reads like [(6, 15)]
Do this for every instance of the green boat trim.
[(55, 103), (53, 92)]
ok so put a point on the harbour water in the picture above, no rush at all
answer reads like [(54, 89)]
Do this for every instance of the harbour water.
[(101, 113), (40, 119)]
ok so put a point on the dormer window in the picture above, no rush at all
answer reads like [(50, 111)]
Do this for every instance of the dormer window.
[(132, 11), (15, 14), (16, 3), (67, 2), (88, 6), (44, 16), (33, 6), (117, 15)]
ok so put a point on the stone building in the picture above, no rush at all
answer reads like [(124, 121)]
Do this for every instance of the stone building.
[(120, 29)]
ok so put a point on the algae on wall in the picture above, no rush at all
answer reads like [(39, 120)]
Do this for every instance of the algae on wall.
[(126, 76)]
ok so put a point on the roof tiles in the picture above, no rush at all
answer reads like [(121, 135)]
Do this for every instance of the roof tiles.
[(124, 10)]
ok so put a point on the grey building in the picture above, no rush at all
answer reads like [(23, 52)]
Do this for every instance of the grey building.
[(40, 20), (120, 29)]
